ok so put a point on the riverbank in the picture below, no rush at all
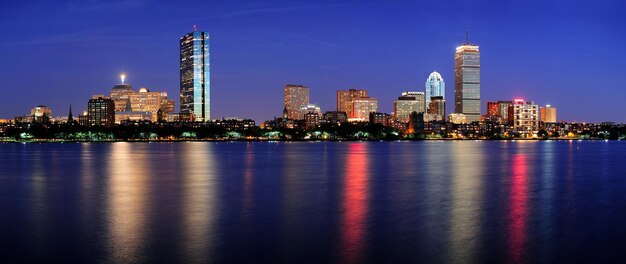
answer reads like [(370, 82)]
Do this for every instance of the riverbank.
[(287, 140)]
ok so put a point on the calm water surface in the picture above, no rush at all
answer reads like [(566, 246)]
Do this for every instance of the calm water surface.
[(350, 202)]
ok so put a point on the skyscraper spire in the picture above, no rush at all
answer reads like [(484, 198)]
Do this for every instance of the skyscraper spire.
[(466, 37)]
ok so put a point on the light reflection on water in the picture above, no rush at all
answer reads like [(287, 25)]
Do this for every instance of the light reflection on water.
[(352, 202), (128, 199), (466, 201), (355, 195)]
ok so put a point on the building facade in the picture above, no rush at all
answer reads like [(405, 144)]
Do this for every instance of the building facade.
[(295, 97), (499, 109), (524, 117), (467, 81), (120, 94), (345, 97), (41, 111), (101, 112), (362, 107), (503, 109), (492, 108), (131, 105), (408, 103), (195, 77), (456, 118), (548, 114), (311, 120), (435, 86), (146, 101), (380, 118), (335, 117), (437, 106)]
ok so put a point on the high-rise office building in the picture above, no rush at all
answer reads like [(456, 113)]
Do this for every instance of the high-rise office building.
[(435, 86), (295, 97), (101, 112), (524, 116), (548, 114), (467, 81), (345, 97), (195, 77), (437, 106), (362, 107), (408, 103)]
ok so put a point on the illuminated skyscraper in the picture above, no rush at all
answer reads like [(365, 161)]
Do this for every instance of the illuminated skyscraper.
[(408, 103), (435, 86), (295, 98), (467, 81), (345, 97), (195, 81)]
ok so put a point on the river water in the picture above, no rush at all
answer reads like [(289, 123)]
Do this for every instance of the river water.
[(314, 202)]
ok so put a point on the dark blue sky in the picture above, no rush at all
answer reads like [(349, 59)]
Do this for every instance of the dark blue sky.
[(570, 54)]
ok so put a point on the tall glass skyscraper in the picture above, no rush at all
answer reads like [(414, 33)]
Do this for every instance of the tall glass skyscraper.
[(467, 81), (435, 86), (195, 81)]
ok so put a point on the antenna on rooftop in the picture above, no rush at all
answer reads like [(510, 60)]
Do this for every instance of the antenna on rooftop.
[(195, 28)]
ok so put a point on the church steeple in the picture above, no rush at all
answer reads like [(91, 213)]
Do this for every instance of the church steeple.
[(285, 113), (70, 118)]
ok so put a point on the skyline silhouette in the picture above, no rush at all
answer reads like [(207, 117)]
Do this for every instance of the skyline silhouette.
[(555, 53)]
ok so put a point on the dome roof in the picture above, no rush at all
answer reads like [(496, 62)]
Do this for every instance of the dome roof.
[(124, 86), (435, 75), (143, 90)]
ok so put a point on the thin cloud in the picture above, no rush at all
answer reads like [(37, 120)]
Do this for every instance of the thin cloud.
[(99, 36), (96, 5), (271, 10), (328, 44)]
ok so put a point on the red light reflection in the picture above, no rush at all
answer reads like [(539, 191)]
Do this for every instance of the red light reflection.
[(354, 203), (519, 211)]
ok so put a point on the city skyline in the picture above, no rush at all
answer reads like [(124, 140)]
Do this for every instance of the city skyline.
[(541, 72)]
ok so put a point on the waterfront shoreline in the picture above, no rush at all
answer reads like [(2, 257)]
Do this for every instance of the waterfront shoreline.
[(296, 140)]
